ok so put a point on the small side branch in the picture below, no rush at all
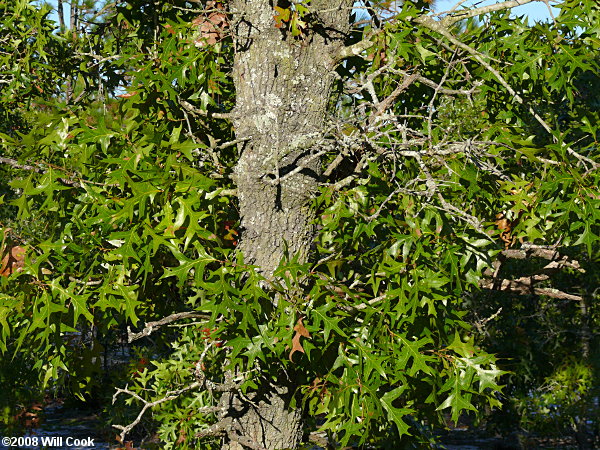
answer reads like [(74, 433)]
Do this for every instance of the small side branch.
[(355, 49), (15, 164), (452, 18), (170, 395), (152, 326), (390, 99), (480, 324), (192, 109)]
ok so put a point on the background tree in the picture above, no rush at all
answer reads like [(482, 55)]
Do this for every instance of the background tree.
[(308, 197)]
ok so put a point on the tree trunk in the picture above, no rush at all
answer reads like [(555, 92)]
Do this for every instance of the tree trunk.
[(266, 421), (283, 87)]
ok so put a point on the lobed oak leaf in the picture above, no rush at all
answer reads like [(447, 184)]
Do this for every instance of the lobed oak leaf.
[(283, 15), (301, 331)]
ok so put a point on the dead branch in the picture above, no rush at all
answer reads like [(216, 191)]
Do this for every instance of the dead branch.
[(525, 286)]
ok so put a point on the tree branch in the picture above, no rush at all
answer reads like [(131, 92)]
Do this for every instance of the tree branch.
[(355, 49), (170, 395), (152, 326), (557, 260), (15, 164), (452, 18), (387, 102), (192, 109), (201, 383), (524, 286), (438, 27)]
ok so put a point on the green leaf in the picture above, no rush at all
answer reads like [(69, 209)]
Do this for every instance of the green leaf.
[(411, 350), (396, 414), (320, 316)]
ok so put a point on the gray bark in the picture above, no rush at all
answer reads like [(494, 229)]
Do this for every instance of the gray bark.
[(283, 87), (262, 421)]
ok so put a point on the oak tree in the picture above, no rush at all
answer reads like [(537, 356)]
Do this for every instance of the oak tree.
[(294, 198)]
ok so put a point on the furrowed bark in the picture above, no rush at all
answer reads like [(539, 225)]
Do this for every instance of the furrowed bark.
[(283, 86)]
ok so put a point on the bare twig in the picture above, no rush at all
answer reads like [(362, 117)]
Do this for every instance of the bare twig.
[(390, 99), (86, 283), (480, 324), (192, 109), (454, 17), (375, 215), (437, 86), (15, 164), (152, 326), (170, 395)]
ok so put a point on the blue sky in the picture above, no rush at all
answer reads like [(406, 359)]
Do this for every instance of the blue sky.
[(535, 11)]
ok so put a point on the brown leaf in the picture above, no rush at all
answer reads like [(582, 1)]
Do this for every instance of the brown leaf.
[(182, 437), (127, 95), (13, 261), (300, 331), (211, 27), (505, 226)]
